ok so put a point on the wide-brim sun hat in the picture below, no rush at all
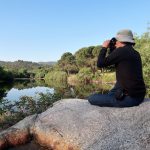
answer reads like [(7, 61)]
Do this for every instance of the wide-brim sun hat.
[(125, 35)]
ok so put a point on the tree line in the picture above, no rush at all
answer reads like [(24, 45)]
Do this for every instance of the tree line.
[(82, 64), (22, 69)]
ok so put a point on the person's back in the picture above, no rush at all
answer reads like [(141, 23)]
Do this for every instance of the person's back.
[(129, 71), (130, 88)]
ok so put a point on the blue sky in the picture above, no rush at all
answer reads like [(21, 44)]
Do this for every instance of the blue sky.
[(42, 30)]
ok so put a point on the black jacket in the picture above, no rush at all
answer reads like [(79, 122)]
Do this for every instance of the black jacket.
[(128, 69)]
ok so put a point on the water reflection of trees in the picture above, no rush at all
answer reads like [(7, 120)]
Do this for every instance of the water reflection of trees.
[(2, 93), (62, 88), (79, 90), (24, 84), (19, 84), (84, 90), (4, 88)]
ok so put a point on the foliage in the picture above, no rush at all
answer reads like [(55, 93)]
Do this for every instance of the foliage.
[(5, 75), (83, 56), (85, 75), (56, 76), (108, 77), (19, 64), (82, 90), (96, 50), (67, 63), (25, 69), (12, 113), (148, 93), (40, 73), (143, 46)]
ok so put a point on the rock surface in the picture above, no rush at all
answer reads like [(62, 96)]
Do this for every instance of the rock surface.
[(74, 124)]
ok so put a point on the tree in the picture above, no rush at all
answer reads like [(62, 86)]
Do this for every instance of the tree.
[(5, 75), (143, 46), (96, 50), (83, 56), (85, 75), (67, 63)]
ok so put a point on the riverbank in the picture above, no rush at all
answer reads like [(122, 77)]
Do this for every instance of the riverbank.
[(105, 78)]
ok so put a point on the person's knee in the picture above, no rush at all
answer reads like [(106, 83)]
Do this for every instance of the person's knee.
[(91, 99)]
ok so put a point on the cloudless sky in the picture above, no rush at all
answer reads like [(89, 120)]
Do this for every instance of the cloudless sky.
[(42, 30)]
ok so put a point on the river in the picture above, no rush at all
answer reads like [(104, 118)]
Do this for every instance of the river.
[(13, 91)]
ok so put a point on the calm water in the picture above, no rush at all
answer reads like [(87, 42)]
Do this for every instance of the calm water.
[(18, 89), (14, 94), (14, 91)]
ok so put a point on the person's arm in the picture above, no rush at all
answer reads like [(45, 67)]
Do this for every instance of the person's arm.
[(111, 59)]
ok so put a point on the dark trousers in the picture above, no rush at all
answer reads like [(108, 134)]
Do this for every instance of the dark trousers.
[(109, 100)]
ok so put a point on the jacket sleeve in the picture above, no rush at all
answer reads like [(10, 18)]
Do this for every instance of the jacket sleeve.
[(111, 59)]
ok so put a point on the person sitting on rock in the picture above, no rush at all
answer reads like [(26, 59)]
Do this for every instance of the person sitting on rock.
[(129, 89)]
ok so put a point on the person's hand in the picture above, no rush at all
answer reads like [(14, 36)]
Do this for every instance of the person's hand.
[(106, 44)]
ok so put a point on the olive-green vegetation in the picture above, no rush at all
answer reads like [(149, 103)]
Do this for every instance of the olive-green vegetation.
[(5, 75), (143, 46), (25, 69), (142, 43), (67, 63), (59, 76), (10, 113), (85, 75)]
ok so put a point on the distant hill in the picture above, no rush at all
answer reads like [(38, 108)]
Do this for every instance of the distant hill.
[(48, 63), (29, 65), (19, 64)]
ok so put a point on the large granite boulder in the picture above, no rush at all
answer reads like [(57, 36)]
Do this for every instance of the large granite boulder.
[(74, 124)]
